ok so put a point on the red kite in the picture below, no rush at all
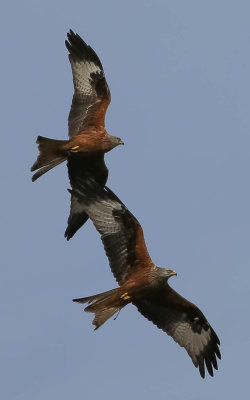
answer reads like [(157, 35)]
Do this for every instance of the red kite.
[(141, 282), (88, 138)]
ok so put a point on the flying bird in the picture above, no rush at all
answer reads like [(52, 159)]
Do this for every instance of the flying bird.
[(88, 138), (141, 282)]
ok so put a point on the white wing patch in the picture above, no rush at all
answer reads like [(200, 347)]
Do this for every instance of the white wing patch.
[(81, 76), (102, 215)]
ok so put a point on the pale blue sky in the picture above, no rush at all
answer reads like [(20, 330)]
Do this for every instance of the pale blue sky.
[(179, 74)]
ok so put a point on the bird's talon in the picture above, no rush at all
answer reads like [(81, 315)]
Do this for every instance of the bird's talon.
[(125, 296), (74, 149)]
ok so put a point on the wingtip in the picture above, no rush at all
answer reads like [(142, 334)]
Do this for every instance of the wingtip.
[(218, 353), (79, 50), (68, 41), (70, 33), (202, 369), (36, 175), (67, 235)]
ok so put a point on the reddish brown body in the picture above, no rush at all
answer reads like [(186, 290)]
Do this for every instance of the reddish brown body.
[(88, 138), (141, 281), (54, 152), (92, 141)]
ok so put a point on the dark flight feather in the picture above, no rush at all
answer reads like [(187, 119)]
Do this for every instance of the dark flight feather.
[(142, 282), (118, 227), (185, 323), (88, 138), (91, 96)]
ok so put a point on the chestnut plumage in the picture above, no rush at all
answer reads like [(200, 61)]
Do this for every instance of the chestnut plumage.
[(141, 282), (88, 138)]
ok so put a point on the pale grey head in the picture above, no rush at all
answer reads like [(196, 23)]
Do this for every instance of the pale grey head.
[(161, 274), (117, 141), (167, 272)]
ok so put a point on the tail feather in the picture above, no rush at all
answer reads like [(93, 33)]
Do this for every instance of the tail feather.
[(102, 316), (45, 169), (104, 305), (51, 153), (96, 298)]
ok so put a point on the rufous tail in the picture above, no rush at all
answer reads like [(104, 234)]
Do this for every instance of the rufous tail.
[(51, 153), (104, 305)]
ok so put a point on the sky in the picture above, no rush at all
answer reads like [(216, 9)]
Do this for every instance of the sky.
[(179, 75)]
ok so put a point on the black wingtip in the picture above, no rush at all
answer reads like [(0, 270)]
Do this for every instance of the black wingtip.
[(75, 222), (66, 236), (79, 50), (218, 353), (70, 34), (202, 369)]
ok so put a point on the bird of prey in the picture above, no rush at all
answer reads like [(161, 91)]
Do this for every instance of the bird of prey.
[(88, 138), (141, 282)]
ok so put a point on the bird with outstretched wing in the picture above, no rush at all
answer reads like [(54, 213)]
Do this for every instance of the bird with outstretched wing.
[(88, 138), (141, 282)]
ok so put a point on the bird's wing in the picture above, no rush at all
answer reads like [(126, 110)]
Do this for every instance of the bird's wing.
[(82, 169), (76, 219), (92, 96), (120, 231), (185, 323)]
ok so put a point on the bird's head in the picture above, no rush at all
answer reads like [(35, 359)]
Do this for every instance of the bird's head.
[(117, 141), (161, 275), (169, 272), (112, 141), (164, 274), (109, 142)]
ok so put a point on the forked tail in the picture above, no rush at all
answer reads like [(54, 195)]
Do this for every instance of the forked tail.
[(51, 153), (104, 305)]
